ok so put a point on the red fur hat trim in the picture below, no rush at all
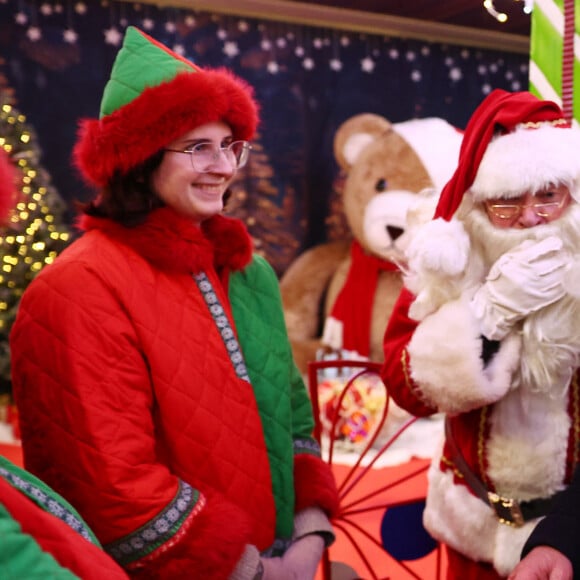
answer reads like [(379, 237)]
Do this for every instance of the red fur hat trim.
[(159, 115)]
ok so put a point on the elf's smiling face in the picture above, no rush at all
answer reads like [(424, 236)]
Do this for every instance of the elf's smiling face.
[(191, 192)]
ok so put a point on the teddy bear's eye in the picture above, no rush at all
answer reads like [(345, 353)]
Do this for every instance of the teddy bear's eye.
[(381, 184)]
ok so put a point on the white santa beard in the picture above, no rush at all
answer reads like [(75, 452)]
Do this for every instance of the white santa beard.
[(551, 336)]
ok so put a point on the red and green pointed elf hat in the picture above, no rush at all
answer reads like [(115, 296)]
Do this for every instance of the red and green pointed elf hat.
[(154, 96)]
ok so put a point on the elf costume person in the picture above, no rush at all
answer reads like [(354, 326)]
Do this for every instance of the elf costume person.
[(486, 331), (151, 365)]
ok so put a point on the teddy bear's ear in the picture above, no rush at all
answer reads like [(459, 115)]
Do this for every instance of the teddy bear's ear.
[(355, 134)]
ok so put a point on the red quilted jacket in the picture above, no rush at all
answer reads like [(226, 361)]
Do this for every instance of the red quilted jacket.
[(128, 405)]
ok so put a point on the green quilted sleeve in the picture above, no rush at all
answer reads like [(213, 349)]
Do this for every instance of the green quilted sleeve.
[(22, 557)]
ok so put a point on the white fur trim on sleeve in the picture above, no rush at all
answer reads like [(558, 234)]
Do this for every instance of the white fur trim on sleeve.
[(445, 361)]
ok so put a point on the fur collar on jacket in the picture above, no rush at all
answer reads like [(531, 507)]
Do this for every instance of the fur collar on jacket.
[(172, 242)]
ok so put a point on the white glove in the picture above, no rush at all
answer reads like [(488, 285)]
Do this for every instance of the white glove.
[(522, 281)]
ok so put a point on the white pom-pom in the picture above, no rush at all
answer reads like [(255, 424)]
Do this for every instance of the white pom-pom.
[(440, 247)]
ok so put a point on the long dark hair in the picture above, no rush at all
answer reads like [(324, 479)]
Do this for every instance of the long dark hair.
[(128, 198)]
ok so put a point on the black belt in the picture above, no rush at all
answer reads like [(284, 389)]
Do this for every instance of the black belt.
[(508, 511)]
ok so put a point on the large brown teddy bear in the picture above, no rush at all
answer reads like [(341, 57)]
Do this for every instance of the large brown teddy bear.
[(340, 294)]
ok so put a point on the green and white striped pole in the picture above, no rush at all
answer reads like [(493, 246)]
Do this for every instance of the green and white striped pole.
[(555, 54)]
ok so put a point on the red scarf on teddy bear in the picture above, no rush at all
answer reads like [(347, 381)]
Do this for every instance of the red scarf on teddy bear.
[(353, 306)]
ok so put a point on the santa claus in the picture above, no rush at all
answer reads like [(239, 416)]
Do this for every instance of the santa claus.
[(487, 331)]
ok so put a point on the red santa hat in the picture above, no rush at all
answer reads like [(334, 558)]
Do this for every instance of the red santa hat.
[(513, 143), (154, 96)]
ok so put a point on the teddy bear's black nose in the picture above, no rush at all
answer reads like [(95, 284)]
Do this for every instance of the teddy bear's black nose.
[(394, 232)]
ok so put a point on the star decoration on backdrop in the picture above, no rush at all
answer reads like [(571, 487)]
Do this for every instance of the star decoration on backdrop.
[(46, 9), (336, 64), (21, 18), (189, 21), (243, 26), (308, 63), (80, 8), (179, 49), (231, 49), (148, 24), (113, 36), (170, 27), (416, 76), (273, 67), (299, 51), (222, 33), (34, 34), (70, 36), (367, 64)]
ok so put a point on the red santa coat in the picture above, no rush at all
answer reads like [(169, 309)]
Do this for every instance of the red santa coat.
[(522, 445)]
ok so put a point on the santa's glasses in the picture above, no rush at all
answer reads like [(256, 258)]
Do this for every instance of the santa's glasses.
[(515, 207)]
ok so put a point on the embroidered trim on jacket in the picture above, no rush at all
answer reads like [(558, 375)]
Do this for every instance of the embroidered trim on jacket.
[(49, 504), (157, 531), (223, 324), (307, 446)]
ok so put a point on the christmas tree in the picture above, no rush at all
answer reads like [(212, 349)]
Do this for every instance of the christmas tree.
[(35, 234)]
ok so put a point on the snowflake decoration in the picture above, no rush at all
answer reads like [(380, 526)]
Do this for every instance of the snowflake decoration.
[(493, 67), (80, 8), (344, 40), (21, 18), (449, 61), (410, 56), (70, 36), (367, 64), (281, 42), (231, 49), (148, 23), (58, 8), (317, 43), (335, 64), (46, 9), (516, 86), (222, 33), (464, 54), (170, 27), (299, 51), (455, 74), (308, 63), (481, 69), (179, 49), (189, 21), (416, 76), (393, 54), (34, 34), (509, 75), (273, 67), (265, 44), (290, 35), (486, 89), (112, 36), (243, 26)]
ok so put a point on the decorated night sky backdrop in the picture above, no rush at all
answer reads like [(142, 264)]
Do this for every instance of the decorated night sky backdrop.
[(56, 56)]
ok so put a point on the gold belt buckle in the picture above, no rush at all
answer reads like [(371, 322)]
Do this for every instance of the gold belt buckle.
[(507, 510)]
